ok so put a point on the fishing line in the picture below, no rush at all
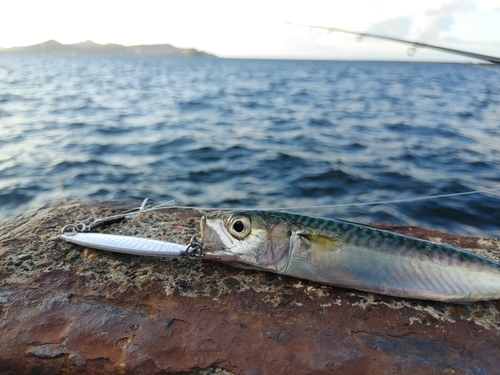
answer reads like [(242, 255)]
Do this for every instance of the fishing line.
[(170, 204), (390, 201)]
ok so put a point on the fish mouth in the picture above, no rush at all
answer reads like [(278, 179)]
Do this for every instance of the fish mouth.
[(213, 246)]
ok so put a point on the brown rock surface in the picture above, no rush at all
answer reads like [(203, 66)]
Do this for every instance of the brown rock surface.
[(65, 309)]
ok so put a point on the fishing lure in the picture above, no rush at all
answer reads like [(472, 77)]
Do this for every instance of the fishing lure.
[(129, 245), (326, 251), (83, 235)]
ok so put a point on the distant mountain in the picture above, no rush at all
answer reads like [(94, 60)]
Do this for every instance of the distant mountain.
[(52, 47)]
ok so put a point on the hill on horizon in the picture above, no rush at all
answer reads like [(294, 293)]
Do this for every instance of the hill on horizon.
[(53, 47)]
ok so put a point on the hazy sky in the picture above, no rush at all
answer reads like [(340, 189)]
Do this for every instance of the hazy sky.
[(257, 28)]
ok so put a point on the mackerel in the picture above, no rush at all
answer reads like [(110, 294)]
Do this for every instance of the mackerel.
[(348, 255)]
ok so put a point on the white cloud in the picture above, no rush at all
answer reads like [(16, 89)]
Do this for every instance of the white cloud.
[(488, 5), (432, 24), (453, 6), (398, 27)]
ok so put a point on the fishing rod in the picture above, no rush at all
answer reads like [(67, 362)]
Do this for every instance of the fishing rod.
[(414, 46)]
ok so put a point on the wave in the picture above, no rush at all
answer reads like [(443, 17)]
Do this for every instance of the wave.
[(250, 132)]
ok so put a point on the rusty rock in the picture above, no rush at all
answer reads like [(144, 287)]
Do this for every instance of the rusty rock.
[(120, 314)]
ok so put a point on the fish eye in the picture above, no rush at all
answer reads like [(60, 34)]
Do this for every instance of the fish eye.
[(239, 227)]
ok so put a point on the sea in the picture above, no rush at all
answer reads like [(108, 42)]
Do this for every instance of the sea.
[(322, 138)]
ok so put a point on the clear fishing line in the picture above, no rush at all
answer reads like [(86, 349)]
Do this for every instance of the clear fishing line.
[(170, 204)]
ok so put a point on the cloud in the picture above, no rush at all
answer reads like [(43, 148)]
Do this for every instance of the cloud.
[(399, 26), (436, 27), (439, 21), (488, 5), (453, 6), (428, 26)]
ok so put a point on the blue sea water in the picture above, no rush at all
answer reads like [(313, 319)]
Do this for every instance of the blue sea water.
[(254, 133)]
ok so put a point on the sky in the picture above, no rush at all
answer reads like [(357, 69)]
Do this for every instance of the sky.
[(258, 29)]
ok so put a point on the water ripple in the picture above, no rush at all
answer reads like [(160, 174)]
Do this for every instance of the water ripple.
[(253, 133)]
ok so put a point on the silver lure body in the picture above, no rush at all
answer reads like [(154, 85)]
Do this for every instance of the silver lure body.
[(126, 244)]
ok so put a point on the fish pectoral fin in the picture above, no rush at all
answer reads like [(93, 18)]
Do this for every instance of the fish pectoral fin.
[(312, 248), (311, 255), (320, 243), (322, 250)]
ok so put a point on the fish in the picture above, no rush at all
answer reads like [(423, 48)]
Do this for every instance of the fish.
[(348, 255)]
